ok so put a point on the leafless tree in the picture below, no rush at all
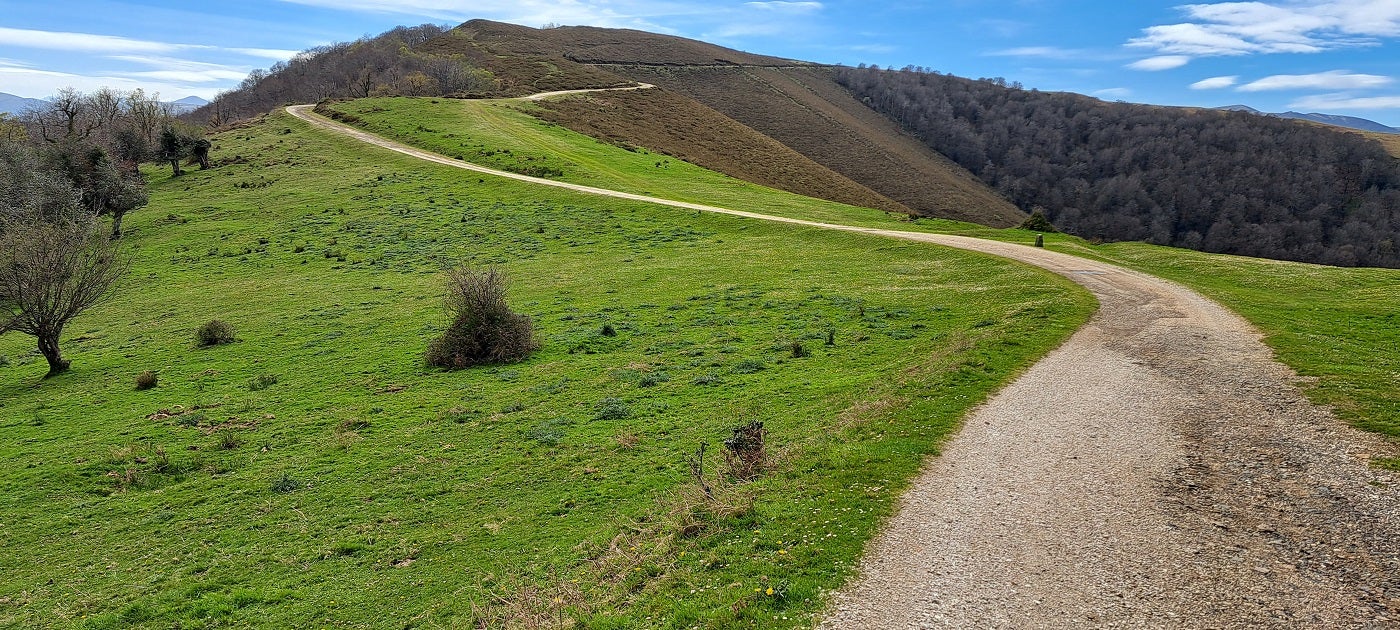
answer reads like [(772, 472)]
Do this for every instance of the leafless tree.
[(50, 273), (54, 261)]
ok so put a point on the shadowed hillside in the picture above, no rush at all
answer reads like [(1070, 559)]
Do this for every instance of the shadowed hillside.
[(805, 109), (1222, 182)]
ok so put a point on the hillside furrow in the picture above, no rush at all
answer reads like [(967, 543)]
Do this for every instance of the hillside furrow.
[(1160, 469)]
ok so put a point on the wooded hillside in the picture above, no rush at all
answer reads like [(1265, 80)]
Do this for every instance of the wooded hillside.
[(1217, 181)]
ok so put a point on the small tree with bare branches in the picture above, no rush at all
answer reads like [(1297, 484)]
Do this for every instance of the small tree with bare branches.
[(49, 273), (54, 261)]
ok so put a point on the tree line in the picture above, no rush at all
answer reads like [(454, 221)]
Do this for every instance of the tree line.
[(62, 167), (390, 64), (1225, 182)]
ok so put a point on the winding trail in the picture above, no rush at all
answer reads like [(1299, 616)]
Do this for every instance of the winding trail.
[(1160, 469)]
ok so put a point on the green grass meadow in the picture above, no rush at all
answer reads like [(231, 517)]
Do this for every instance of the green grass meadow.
[(1338, 327), (315, 474)]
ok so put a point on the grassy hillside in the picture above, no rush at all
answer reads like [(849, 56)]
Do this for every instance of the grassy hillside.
[(503, 135), (795, 103), (805, 109), (674, 125), (314, 474), (1328, 323)]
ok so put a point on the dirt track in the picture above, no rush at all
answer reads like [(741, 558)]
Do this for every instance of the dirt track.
[(1160, 469)]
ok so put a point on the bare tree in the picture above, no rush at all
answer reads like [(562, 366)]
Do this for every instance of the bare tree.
[(49, 273), (54, 261)]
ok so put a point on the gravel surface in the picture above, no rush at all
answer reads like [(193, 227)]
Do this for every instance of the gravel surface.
[(1160, 469)]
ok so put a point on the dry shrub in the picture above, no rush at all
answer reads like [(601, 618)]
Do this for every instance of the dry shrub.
[(215, 333), (145, 380), (482, 329), (519, 603), (744, 454)]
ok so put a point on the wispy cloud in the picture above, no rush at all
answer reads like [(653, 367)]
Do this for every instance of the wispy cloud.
[(1333, 80), (267, 53), (1298, 26), (786, 7), (1113, 93), (1040, 52), (1161, 62), (1325, 102), (1215, 83), (80, 42), (181, 70), (39, 82), (111, 44)]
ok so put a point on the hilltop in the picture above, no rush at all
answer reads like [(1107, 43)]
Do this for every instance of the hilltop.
[(911, 141), (797, 103)]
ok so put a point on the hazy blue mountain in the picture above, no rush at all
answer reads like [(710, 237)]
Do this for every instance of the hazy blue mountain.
[(187, 104), (1350, 122), (11, 104)]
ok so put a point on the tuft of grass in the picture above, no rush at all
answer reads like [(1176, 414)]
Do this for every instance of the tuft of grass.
[(215, 332), (262, 381), (146, 380)]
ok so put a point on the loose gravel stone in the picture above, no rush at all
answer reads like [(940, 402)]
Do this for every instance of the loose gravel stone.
[(1160, 469)]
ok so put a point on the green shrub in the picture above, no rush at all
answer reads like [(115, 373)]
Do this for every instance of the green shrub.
[(749, 366), (145, 380), (483, 330), (611, 409), (262, 381), (215, 333), (1038, 223)]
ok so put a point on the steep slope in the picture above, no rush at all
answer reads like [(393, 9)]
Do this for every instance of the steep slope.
[(796, 103), (805, 109), (678, 126), (1224, 182)]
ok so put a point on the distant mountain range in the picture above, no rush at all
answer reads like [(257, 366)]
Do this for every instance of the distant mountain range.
[(1350, 122), (11, 104)]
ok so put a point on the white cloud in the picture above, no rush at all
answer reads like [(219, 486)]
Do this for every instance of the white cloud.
[(1043, 52), (31, 81), (1113, 93), (267, 53), (1159, 63), (81, 42), (1297, 26), (1333, 80), (1324, 102), (1215, 83)]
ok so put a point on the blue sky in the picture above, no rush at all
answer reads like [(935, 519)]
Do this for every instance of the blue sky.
[(1333, 56)]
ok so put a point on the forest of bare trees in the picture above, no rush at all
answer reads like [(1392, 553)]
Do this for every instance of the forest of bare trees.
[(1226, 182), (385, 65)]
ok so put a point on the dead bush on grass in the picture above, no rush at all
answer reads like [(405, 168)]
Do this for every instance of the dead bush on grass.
[(482, 329), (744, 455)]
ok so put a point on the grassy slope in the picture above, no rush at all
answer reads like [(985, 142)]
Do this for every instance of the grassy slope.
[(500, 134), (364, 491), (669, 123), (1332, 324)]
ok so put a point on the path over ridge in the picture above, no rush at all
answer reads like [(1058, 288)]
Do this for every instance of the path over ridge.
[(1160, 469)]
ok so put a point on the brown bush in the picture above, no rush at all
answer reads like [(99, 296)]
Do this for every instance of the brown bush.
[(483, 329), (744, 453)]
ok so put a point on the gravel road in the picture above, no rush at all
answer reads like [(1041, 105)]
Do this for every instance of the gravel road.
[(1160, 469)]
